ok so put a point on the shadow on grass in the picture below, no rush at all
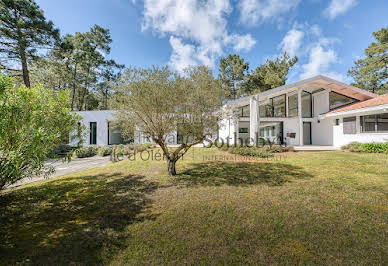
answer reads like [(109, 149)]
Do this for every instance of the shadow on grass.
[(72, 220), (239, 173)]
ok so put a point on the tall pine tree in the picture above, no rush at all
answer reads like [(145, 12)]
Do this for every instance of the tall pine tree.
[(371, 72), (24, 31)]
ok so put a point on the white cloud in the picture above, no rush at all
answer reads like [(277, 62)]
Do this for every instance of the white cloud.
[(241, 42), (319, 61), (338, 7), (292, 42), (197, 29), (256, 11)]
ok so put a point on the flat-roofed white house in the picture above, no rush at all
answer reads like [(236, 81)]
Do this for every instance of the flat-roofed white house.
[(316, 111)]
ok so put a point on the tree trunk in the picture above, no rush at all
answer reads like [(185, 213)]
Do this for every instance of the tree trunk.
[(74, 90), (26, 77), (171, 167)]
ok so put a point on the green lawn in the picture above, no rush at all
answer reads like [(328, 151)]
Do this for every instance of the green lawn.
[(308, 208)]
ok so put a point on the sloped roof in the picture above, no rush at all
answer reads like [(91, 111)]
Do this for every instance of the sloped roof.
[(380, 100), (317, 82)]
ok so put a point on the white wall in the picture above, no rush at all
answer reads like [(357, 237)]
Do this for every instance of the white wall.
[(322, 133), (291, 125), (101, 118), (227, 129), (341, 139)]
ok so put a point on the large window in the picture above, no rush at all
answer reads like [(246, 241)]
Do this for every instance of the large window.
[(244, 111), (307, 108), (93, 133), (114, 135), (266, 110), (243, 130), (279, 106), (275, 108), (293, 105), (338, 100), (350, 125), (374, 123)]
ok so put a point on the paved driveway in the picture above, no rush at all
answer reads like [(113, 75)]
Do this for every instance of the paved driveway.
[(75, 165)]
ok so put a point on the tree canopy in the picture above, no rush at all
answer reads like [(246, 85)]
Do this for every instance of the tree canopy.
[(79, 63), (157, 101), (271, 74), (371, 72), (232, 71), (32, 122), (24, 31)]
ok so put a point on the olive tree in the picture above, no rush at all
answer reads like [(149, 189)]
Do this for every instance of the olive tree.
[(32, 122), (158, 101)]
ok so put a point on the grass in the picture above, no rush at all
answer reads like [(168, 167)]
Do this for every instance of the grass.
[(306, 208)]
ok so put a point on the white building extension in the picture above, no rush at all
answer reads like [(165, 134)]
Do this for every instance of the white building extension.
[(316, 111)]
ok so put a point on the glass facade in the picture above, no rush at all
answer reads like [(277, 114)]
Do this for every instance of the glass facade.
[(279, 106), (275, 108), (337, 100), (244, 111), (293, 105), (307, 108)]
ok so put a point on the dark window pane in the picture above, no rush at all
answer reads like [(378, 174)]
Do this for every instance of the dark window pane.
[(279, 106), (382, 123), (243, 130), (337, 100), (246, 111), (293, 105), (266, 110), (350, 125), (369, 123), (93, 133), (306, 105)]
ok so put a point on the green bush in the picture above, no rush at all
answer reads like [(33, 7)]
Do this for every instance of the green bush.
[(86, 151), (60, 150), (375, 147), (353, 147), (104, 151), (366, 147)]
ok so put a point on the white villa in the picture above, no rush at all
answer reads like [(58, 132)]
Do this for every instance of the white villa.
[(318, 111)]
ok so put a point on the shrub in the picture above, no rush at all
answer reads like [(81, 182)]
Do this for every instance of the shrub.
[(375, 147), (32, 122), (104, 151), (60, 150), (353, 147), (366, 147), (86, 151)]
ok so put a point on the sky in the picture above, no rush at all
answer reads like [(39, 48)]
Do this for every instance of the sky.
[(326, 35)]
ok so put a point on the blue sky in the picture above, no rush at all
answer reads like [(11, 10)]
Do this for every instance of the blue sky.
[(326, 35)]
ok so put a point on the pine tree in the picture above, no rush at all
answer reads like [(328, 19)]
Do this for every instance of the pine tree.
[(24, 31), (371, 73)]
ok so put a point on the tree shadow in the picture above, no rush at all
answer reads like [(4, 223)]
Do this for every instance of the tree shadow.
[(218, 173), (72, 220)]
